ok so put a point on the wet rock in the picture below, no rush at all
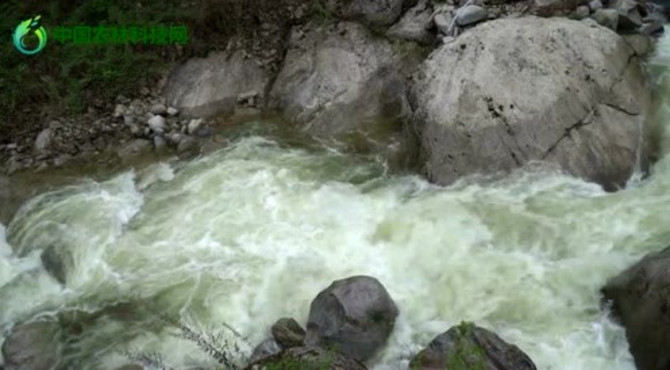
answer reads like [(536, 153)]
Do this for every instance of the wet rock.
[(355, 315), (607, 18), (471, 14), (187, 145), (342, 79), (33, 346), (43, 140), (588, 119), (130, 367), (57, 261), (288, 333), (207, 87), (639, 297), (370, 12), (308, 358), (264, 350), (415, 25), (470, 347), (157, 124)]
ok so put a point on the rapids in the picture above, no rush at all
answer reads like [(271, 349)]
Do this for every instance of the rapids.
[(252, 232)]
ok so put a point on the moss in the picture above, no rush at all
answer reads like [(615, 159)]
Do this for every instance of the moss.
[(468, 355)]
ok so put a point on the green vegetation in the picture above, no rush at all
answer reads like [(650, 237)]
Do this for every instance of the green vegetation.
[(469, 355)]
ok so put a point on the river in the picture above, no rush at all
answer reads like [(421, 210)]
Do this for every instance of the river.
[(252, 232)]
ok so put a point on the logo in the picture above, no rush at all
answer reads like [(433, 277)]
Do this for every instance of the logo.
[(29, 36)]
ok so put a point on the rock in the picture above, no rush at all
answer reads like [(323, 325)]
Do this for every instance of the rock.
[(477, 108), (157, 124), (641, 43), (356, 315), (144, 91), (335, 82), (653, 28), (187, 145), (595, 5), (208, 87), (443, 22), (471, 14), (57, 261), (43, 140), (34, 346), (264, 350), (582, 12), (370, 12), (308, 358), (639, 297), (171, 111), (548, 8), (158, 109), (174, 138), (607, 18), (134, 148), (629, 15), (288, 333), (159, 142), (193, 125), (130, 367), (119, 111), (415, 25), (470, 347)]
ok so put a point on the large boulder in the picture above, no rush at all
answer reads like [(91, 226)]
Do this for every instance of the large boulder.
[(370, 12), (470, 347), (212, 86), (640, 299), (354, 316), (340, 79), (34, 346), (512, 91)]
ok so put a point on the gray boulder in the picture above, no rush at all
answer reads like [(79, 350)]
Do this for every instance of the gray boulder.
[(470, 347), (513, 91), (354, 316), (34, 346), (640, 299), (211, 86), (340, 79), (370, 12)]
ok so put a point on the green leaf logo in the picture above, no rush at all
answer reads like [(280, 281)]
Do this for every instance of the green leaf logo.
[(27, 29)]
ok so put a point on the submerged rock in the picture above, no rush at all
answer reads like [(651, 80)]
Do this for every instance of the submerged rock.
[(640, 299), (33, 346), (511, 91), (354, 315), (470, 347)]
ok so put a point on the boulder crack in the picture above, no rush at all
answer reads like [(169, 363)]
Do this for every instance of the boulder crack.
[(567, 133)]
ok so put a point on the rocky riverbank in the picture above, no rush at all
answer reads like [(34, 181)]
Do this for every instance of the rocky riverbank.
[(369, 76)]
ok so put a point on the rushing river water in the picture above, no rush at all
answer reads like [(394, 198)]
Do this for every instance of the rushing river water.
[(252, 232)]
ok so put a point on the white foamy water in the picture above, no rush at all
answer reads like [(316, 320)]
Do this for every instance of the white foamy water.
[(253, 232)]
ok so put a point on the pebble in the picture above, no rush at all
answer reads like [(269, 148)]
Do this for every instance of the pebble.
[(159, 142), (171, 111), (194, 125), (157, 124), (43, 139), (119, 111)]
